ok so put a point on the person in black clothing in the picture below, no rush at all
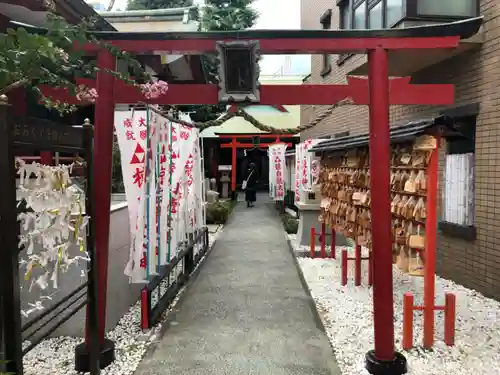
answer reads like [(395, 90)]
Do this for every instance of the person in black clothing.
[(252, 180)]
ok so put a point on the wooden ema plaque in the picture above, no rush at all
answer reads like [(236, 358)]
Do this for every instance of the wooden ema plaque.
[(346, 206)]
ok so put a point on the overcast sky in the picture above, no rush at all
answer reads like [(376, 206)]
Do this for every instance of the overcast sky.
[(271, 16)]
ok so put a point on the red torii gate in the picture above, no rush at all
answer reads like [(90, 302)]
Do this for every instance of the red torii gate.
[(377, 91), (234, 144)]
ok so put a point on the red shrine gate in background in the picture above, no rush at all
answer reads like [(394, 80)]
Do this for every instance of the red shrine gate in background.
[(378, 91), (235, 145)]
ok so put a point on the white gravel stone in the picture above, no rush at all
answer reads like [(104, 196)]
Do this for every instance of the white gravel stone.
[(55, 356), (347, 315)]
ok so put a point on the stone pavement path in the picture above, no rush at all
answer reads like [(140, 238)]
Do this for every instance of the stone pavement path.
[(246, 312)]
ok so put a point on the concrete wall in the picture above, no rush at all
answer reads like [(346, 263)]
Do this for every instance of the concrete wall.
[(476, 76), (121, 294)]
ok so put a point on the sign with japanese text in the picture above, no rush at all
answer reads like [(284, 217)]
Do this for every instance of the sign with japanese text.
[(306, 172), (130, 129), (277, 167), (46, 135)]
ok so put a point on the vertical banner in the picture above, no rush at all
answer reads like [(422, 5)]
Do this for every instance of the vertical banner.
[(130, 129), (278, 166), (305, 169), (183, 141), (143, 262), (131, 134), (271, 152), (162, 176), (311, 168), (298, 159)]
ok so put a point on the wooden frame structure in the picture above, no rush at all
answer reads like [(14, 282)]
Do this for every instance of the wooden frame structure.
[(378, 91), (24, 133), (432, 131)]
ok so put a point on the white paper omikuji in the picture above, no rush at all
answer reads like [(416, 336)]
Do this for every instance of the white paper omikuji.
[(347, 313), (55, 356), (51, 197)]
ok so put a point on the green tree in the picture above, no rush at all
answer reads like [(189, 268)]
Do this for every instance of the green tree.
[(157, 4), (220, 15), (226, 15), (48, 57)]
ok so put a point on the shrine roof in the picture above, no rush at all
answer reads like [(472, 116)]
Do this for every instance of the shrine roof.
[(399, 134)]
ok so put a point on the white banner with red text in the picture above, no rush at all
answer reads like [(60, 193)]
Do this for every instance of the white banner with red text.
[(306, 168), (160, 160), (277, 166)]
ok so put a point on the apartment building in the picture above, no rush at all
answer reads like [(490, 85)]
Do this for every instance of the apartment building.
[(469, 228)]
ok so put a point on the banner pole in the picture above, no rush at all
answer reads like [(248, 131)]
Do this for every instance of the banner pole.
[(148, 181), (169, 220), (158, 196)]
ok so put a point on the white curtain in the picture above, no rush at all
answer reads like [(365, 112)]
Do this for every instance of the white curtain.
[(458, 192)]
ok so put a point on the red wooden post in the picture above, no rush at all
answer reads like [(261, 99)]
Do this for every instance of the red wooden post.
[(383, 312), (449, 319), (430, 249), (357, 266), (333, 252), (323, 240), (233, 165), (103, 145), (144, 309), (408, 321), (46, 158), (343, 278), (313, 243)]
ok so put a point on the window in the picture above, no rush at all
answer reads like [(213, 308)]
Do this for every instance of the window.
[(394, 11), (458, 189), (376, 16), (384, 14), (359, 19), (326, 24), (345, 15), (455, 8)]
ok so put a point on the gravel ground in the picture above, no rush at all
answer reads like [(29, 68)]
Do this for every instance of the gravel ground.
[(56, 356), (347, 314)]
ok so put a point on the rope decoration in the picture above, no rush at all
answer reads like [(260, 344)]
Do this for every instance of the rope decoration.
[(252, 120)]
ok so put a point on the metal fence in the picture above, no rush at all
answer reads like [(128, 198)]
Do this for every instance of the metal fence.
[(162, 289)]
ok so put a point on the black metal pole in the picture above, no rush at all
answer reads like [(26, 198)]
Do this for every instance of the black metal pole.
[(94, 343), (10, 301)]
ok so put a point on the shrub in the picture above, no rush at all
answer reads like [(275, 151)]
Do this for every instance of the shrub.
[(218, 212), (290, 224)]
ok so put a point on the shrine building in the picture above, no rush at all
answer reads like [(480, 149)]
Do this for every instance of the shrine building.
[(236, 143)]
